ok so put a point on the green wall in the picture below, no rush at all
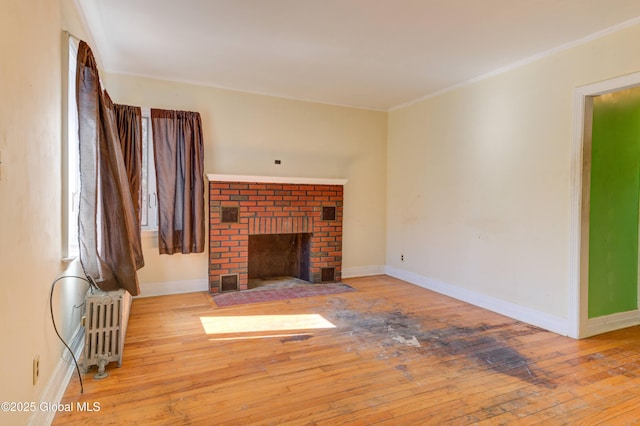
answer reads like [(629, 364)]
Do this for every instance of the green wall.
[(615, 189)]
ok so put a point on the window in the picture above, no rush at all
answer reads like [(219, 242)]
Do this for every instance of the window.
[(70, 154), (71, 166), (149, 205)]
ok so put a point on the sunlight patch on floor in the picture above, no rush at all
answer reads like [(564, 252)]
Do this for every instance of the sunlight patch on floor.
[(284, 337), (263, 323)]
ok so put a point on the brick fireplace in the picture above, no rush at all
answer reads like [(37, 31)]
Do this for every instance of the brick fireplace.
[(267, 226)]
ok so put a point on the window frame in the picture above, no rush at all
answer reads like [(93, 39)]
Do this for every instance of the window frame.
[(149, 204), (70, 149)]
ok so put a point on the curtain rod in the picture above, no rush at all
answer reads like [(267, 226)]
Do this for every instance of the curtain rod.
[(72, 35)]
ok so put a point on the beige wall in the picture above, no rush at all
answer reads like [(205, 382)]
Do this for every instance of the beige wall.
[(30, 207), (245, 133), (478, 190)]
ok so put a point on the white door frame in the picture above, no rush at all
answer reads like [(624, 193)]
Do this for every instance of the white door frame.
[(579, 324)]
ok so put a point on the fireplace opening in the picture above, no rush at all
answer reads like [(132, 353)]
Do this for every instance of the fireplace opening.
[(278, 255)]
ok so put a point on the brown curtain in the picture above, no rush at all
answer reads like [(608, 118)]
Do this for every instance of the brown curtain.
[(179, 161), (129, 124), (107, 223)]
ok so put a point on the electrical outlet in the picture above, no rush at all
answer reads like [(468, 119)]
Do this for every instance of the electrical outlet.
[(402, 258), (36, 368)]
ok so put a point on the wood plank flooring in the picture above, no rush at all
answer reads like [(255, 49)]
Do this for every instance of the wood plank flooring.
[(389, 353)]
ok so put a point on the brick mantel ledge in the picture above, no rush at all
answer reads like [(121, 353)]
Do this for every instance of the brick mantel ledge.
[(275, 179)]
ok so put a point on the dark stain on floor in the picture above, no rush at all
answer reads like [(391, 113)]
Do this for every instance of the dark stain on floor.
[(296, 338), (486, 345)]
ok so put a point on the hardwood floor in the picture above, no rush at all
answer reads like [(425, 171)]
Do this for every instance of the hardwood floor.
[(389, 353)]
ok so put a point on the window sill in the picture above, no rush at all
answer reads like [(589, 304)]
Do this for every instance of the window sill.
[(149, 233), (68, 260)]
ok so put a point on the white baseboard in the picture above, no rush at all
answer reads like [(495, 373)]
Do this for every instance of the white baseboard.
[(59, 380), (362, 271), (202, 284), (521, 313), (611, 322), (173, 287)]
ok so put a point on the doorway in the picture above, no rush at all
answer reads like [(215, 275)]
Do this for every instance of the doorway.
[(605, 204)]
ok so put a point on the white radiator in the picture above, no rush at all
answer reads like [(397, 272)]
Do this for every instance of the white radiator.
[(105, 323)]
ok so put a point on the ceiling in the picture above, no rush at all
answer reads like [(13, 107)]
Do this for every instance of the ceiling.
[(375, 54)]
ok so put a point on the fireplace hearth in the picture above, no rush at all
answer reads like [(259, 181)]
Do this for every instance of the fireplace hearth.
[(265, 227)]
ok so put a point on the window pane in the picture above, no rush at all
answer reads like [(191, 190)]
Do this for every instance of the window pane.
[(73, 147), (145, 173)]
